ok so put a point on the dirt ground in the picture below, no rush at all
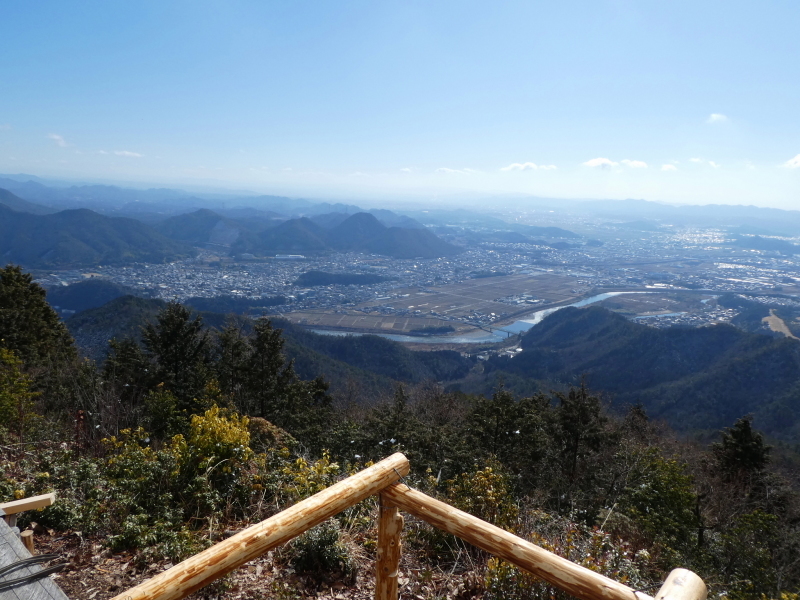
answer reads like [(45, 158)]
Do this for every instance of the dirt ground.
[(94, 573)]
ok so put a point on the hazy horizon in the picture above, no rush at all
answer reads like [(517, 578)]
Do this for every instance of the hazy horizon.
[(678, 103)]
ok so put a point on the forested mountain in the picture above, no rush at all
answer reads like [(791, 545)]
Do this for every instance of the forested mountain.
[(81, 238), (694, 378), (86, 294), (206, 227), (371, 364), (18, 204), (315, 278), (361, 232)]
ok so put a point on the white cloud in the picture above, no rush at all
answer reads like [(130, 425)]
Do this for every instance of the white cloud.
[(634, 164), (58, 139), (669, 168), (716, 118), (128, 154), (286, 169), (463, 171), (703, 161), (405, 170), (528, 166), (603, 163), (793, 163), (102, 152)]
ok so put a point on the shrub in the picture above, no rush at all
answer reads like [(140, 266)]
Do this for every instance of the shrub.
[(590, 548), (321, 554)]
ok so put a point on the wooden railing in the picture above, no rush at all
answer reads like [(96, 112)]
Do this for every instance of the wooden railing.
[(382, 479)]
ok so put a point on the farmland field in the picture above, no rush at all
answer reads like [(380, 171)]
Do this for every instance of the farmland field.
[(463, 306)]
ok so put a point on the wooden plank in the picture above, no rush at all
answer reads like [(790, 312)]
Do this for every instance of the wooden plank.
[(387, 566), (203, 568), (562, 573), (32, 503), (12, 550), (682, 584)]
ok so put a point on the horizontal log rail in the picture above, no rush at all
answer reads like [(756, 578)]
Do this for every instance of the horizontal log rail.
[(382, 479), (32, 503), (562, 573)]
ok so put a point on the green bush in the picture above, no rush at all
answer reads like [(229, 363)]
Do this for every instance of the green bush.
[(320, 553)]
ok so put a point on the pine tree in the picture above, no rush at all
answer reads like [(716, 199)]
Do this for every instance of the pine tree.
[(180, 351), (28, 325)]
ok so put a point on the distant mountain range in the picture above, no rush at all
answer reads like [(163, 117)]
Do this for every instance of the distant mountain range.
[(14, 202), (36, 237), (361, 232), (81, 238)]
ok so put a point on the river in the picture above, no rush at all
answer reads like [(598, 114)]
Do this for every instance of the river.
[(480, 336)]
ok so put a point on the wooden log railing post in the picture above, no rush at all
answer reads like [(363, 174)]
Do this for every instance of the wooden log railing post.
[(387, 566), (27, 541), (682, 584), (203, 568), (564, 574)]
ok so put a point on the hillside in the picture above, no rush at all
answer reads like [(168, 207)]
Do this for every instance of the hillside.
[(369, 364), (16, 203), (694, 378), (315, 278), (207, 228), (361, 232), (81, 238), (86, 294)]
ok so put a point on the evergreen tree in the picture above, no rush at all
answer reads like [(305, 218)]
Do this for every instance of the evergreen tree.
[(16, 397), (180, 351), (741, 452), (582, 440), (232, 353), (128, 370), (28, 325)]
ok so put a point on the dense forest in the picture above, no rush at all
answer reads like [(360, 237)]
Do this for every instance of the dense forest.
[(190, 428)]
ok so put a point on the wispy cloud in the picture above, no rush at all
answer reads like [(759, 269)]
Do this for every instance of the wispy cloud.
[(405, 170), (793, 163), (58, 139), (669, 168), (102, 152), (5, 127), (716, 118), (703, 161), (528, 166), (603, 163), (634, 164), (463, 171), (128, 153)]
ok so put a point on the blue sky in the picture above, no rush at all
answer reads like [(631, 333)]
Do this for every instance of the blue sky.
[(686, 102)]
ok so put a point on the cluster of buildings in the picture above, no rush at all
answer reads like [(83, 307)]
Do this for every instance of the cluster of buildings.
[(695, 260)]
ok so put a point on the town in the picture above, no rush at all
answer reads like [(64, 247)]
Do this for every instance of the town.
[(661, 277)]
